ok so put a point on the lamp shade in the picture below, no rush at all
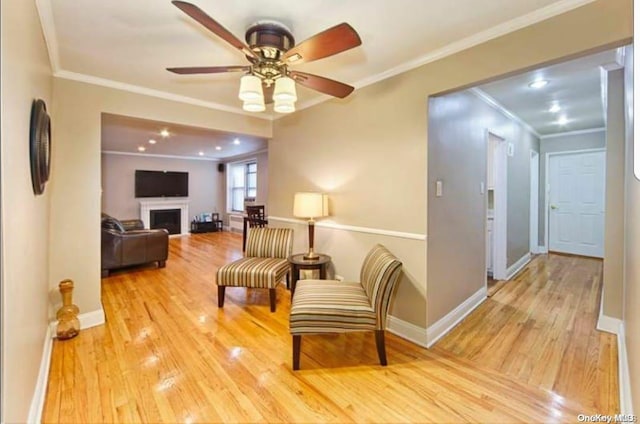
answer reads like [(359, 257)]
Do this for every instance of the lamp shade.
[(282, 106), (254, 105), (285, 90), (310, 205), (251, 89)]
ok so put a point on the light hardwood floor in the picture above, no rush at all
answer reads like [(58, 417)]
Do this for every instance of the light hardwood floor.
[(168, 354), (540, 328)]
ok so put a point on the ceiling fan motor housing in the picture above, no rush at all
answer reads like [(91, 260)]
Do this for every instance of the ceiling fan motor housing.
[(269, 39)]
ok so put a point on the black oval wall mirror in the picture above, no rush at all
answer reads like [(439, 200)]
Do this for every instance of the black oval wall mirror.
[(39, 145)]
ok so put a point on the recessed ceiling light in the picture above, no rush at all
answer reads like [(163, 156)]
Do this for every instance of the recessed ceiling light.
[(218, 148), (201, 153), (152, 141), (539, 83), (554, 108), (165, 133), (236, 141), (141, 148), (563, 120)]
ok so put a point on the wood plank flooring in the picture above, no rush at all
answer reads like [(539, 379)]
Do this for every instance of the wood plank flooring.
[(169, 354), (540, 328)]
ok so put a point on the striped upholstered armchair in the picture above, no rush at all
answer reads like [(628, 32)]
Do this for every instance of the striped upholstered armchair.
[(329, 306), (263, 266)]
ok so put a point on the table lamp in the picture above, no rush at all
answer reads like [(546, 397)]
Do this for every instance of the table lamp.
[(311, 206)]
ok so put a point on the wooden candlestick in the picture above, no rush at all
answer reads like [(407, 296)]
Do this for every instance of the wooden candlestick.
[(68, 323)]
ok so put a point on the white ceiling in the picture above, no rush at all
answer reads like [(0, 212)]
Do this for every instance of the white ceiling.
[(574, 85), (125, 134), (128, 44)]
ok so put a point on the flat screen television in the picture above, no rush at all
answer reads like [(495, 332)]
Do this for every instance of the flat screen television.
[(162, 184)]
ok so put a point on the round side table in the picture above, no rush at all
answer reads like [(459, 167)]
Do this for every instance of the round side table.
[(298, 262)]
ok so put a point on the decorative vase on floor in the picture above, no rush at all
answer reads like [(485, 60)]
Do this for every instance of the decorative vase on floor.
[(68, 323)]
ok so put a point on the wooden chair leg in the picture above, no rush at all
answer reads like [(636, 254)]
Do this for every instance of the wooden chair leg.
[(287, 277), (297, 341), (221, 296), (380, 345), (272, 299)]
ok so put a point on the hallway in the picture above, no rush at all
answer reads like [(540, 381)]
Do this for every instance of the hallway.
[(540, 329)]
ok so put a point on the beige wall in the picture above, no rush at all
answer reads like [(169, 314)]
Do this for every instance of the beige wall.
[(26, 75), (118, 183), (565, 143), (369, 151), (614, 198), (75, 188), (632, 244), (458, 125)]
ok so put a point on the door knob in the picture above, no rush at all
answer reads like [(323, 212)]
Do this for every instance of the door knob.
[(554, 207)]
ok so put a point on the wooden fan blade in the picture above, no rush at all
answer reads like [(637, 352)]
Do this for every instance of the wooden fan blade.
[(208, 69), (322, 84), (208, 22), (268, 94), (327, 43)]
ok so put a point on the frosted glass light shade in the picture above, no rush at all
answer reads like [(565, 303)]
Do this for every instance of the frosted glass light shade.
[(254, 105), (310, 205), (282, 106), (285, 90), (250, 88)]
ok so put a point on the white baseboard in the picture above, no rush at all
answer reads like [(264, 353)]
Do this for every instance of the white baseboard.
[(542, 249), (608, 324), (87, 320), (406, 330), (516, 267), (624, 379), (37, 402), (436, 331), (616, 326)]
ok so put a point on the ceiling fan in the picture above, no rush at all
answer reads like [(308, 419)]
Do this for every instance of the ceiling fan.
[(271, 49)]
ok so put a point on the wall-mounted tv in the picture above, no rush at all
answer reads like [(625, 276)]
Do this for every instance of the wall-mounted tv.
[(162, 184)]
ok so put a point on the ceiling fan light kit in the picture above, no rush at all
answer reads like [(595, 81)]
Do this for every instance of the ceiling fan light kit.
[(271, 49), (256, 105), (250, 88)]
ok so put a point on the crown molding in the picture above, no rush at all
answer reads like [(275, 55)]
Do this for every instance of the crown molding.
[(75, 76), (577, 132), (495, 104), (47, 22), (152, 155)]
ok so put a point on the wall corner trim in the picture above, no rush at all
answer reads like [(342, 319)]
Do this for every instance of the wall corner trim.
[(518, 265), (406, 330), (445, 324), (40, 391)]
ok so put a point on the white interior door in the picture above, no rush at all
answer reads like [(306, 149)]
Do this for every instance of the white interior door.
[(576, 203)]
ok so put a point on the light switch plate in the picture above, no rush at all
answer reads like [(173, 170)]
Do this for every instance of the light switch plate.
[(510, 149), (439, 188)]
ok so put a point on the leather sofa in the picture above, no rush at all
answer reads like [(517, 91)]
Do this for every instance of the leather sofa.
[(126, 243)]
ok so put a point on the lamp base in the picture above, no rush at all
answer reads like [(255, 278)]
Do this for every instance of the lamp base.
[(311, 256)]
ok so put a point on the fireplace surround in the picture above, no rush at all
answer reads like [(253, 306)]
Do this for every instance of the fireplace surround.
[(146, 206)]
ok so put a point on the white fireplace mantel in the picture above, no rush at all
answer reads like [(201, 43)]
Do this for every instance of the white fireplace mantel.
[(146, 206)]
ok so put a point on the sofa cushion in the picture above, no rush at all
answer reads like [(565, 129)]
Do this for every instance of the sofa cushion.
[(253, 272), (330, 306)]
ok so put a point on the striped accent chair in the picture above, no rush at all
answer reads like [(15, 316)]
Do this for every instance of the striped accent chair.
[(263, 266), (330, 306)]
